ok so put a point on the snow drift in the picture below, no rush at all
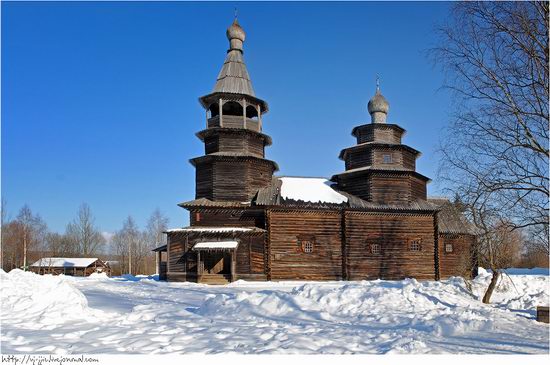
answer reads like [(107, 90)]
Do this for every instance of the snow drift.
[(141, 315), (35, 301)]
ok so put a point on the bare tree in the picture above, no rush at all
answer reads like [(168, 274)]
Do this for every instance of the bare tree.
[(32, 230), (60, 245), (496, 59), (156, 226), (83, 232), (129, 245)]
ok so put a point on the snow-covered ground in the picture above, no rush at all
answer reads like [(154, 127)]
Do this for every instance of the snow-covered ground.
[(99, 315)]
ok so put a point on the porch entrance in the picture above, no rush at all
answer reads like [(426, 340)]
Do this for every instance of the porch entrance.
[(216, 261)]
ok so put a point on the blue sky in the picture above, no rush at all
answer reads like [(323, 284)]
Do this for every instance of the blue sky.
[(99, 100)]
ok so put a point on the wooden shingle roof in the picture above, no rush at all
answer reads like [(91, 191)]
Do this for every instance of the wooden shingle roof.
[(450, 219)]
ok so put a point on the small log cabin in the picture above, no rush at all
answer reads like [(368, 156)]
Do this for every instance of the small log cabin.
[(371, 221), (80, 266)]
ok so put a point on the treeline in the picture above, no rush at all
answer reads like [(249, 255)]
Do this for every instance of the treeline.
[(26, 238)]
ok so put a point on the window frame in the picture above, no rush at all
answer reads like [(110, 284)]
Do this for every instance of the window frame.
[(415, 245), (375, 249), (390, 158), (306, 241)]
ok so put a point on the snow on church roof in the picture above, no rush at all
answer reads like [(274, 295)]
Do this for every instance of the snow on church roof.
[(64, 262), (310, 189)]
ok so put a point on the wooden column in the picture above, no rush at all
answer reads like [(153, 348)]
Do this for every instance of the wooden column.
[(220, 116), (244, 113), (233, 264), (199, 266), (259, 118), (157, 263)]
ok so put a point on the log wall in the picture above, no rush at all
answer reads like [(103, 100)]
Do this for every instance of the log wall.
[(459, 262), (287, 229), (394, 234)]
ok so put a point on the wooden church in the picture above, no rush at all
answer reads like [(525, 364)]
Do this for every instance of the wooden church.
[(371, 221)]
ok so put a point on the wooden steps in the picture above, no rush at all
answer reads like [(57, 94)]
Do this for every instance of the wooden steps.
[(215, 279)]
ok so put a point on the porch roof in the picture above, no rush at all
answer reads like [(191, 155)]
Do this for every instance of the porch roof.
[(216, 245)]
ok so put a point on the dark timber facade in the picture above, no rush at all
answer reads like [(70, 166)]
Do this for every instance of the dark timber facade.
[(371, 221)]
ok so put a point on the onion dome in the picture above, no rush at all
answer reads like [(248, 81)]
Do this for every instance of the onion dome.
[(235, 35), (378, 107)]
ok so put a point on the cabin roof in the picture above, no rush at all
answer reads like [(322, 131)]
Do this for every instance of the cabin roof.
[(160, 248), (373, 144), (211, 229), (64, 262), (213, 245), (309, 194), (203, 202), (387, 169), (450, 219)]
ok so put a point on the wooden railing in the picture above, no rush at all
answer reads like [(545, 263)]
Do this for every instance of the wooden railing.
[(232, 121)]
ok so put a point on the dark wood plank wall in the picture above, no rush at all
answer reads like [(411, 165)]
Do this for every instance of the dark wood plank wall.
[(235, 142), (288, 261), (227, 218), (358, 185), (459, 262), (230, 179), (181, 264), (358, 158), (211, 144), (418, 188), (389, 135), (257, 255), (235, 180), (378, 157), (204, 180), (389, 189), (393, 233), (409, 160), (259, 176), (371, 133)]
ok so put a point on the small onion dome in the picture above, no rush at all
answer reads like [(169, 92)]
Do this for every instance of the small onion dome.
[(378, 103), (378, 108), (235, 31)]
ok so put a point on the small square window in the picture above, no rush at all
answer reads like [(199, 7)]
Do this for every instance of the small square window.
[(416, 245), (387, 158), (449, 247), (375, 248), (307, 246)]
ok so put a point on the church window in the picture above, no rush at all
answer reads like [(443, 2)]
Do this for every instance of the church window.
[(197, 217), (307, 246), (387, 158), (375, 248), (449, 247), (416, 245)]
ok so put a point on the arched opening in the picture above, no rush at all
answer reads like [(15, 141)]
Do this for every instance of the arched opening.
[(232, 108), (214, 110), (251, 112)]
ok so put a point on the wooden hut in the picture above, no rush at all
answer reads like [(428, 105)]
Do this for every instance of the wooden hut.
[(80, 266), (373, 220)]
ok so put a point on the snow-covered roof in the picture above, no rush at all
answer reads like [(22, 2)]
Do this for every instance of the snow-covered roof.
[(209, 229), (310, 189), (216, 245), (65, 262)]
